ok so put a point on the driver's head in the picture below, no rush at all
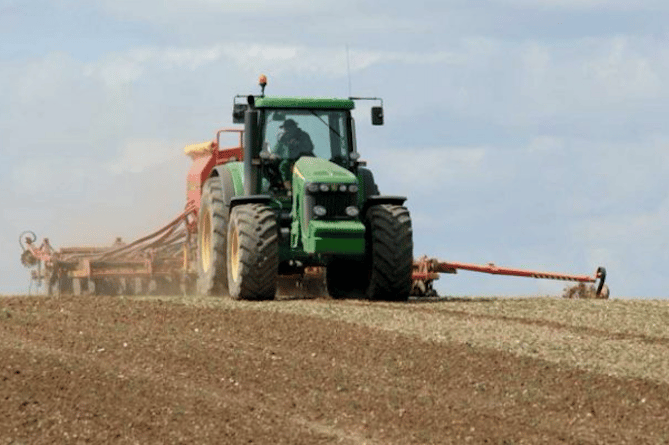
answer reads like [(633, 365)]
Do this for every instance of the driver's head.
[(289, 126)]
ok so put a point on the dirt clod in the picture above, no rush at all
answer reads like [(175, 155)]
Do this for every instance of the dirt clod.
[(586, 291)]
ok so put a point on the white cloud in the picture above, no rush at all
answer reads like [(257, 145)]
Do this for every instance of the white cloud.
[(128, 67), (530, 82), (580, 5), (135, 156), (175, 12), (535, 80), (125, 68), (632, 246), (625, 72), (38, 80), (423, 171), (116, 71), (265, 6), (546, 145), (55, 174)]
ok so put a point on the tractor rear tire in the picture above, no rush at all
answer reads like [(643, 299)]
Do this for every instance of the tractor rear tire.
[(211, 240), (345, 279), (389, 252), (253, 252)]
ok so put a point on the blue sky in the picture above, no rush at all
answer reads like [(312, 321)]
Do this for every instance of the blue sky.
[(525, 133)]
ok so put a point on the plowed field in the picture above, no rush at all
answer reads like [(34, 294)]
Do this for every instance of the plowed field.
[(309, 371)]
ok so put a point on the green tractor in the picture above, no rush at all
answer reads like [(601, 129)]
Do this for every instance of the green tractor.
[(298, 197)]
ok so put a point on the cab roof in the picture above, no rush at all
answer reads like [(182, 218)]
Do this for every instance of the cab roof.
[(304, 102)]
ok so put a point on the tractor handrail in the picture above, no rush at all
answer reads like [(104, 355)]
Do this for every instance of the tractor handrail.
[(229, 130)]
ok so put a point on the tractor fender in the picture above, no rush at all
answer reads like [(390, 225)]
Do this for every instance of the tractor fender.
[(380, 199), (231, 177), (367, 184), (232, 181), (253, 199)]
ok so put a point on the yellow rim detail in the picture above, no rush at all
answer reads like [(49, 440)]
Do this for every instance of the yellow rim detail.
[(234, 255), (205, 241)]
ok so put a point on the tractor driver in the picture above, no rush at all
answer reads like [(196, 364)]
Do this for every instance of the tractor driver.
[(293, 143)]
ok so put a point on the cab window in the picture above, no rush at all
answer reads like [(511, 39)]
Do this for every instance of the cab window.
[(326, 128)]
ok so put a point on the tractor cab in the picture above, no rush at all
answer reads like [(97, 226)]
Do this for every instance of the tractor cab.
[(286, 134), (292, 133), (285, 129)]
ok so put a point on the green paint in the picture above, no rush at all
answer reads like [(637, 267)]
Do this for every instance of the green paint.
[(237, 172), (338, 237), (304, 102), (322, 170), (322, 236)]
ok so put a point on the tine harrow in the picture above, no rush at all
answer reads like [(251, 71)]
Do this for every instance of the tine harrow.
[(159, 258)]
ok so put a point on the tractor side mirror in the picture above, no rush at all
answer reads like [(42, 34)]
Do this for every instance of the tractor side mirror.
[(377, 115), (238, 111)]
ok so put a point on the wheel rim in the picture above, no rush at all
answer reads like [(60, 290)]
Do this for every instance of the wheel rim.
[(205, 241), (234, 254)]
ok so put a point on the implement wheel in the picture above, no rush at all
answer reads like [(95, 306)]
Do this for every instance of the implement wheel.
[(253, 252), (389, 252), (79, 286), (211, 232)]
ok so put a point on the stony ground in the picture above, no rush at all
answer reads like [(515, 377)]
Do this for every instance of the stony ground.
[(304, 371)]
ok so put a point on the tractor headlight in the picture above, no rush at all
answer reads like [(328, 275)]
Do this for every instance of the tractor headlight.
[(342, 188), (353, 188), (319, 210), (324, 187), (352, 211), (312, 187)]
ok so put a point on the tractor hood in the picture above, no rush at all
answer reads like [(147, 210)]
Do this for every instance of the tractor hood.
[(320, 170)]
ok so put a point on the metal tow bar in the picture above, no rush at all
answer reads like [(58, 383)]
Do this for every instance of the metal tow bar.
[(426, 271)]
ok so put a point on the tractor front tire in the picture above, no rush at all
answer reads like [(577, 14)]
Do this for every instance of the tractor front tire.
[(211, 240), (253, 252), (389, 252)]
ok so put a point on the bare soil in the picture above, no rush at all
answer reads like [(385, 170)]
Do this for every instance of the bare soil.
[(305, 371)]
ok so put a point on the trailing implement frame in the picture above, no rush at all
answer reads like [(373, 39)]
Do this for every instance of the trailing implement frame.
[(153, 263), (426, 271)]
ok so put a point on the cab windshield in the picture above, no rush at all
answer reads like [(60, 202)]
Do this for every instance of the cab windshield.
[(326, 133)]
